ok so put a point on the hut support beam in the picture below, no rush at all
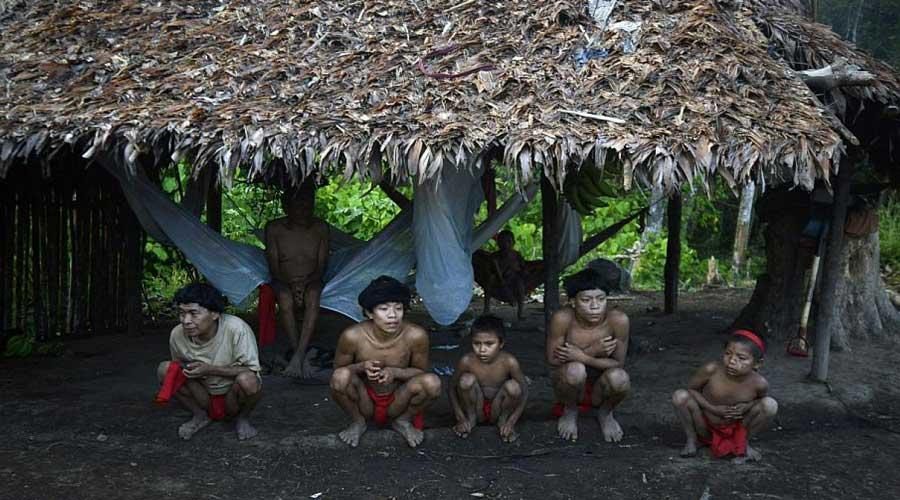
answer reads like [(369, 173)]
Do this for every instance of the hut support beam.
[(673, 254), (549, 241), (832, 273), (214, 206), (838, 74)]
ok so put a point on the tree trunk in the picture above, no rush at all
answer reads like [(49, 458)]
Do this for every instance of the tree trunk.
[(861, 304), (549, 241), (673, 254), (742, 231)]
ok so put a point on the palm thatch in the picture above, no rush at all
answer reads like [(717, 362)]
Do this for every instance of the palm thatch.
[(676, 90)]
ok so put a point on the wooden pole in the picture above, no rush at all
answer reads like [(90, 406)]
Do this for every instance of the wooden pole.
[(832, 273), (214, 206), (36, 271), (7, 221), (673, 254), (22, 234), (549, 242), (134, 257)]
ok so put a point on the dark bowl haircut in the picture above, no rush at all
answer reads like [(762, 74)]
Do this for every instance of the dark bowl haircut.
[(202, 294), (488, 323), (755, 351), (588, 279), (382, 290)]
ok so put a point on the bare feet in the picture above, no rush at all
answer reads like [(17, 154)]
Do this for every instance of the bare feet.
[(508, 433), (412, 435), (752, 456), (244, 429), (463, 428), (567, 426), (690, 449), (612, 431), (352, 433), (189, 428), (298, 368)]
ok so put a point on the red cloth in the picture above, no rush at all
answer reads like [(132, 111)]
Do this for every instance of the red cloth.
[(265, 308), (216, 408), (729, 438), (382, 401), (174, 379), (583, 407), (486, 409)]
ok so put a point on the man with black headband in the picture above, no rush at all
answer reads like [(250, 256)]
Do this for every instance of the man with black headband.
[(381, 366), (586, 346)]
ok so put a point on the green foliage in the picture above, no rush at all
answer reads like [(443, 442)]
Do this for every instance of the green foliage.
[(889, 234), (355, 208), (876, 24)]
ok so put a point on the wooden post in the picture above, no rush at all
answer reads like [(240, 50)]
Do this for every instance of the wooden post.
[(549, 242), (22, 234), (673, 254), (742, 231), (214, 206), (134, 263), (7, 221), (832, 273), (36, 270)]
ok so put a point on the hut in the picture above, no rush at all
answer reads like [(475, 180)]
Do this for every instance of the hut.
[(661, 93)]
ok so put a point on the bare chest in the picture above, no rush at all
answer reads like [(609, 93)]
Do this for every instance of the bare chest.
[(722, 390), (396, 354), (490, 376), (589, 340), (298, 243)]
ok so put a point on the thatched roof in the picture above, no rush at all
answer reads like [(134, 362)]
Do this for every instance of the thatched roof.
[(345, 86)]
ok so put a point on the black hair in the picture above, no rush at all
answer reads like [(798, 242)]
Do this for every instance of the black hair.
[(489, 323), (382, 290), (588, 279), (755, 351), (202, 294)]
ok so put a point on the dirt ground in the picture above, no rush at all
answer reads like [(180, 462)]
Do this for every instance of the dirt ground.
[(82, 426)]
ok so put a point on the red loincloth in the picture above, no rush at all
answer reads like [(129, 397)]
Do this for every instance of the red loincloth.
[(216, 408), (486, 409), (174, 379), (382, 401), (726, 439), (265, 309), (583, 407)]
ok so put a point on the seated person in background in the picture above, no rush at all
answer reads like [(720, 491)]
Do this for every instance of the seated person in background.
[(488, 385), (586, 346), (297, 251), (508, 268), (726, 402), (214, 367), (381, 366)]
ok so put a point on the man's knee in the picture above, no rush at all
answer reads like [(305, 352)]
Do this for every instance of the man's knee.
[(467, 381), (512, 389), (248, 382), (769, 407), (618, 380), (430, 385), (341, 379), (681, 398), (161, 370), (574, 373)]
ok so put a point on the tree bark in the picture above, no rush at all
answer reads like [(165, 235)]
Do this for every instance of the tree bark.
[(549, 241), (673, 254), (837, 74), (742, 231)]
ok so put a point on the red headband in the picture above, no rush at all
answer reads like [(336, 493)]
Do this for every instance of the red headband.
[(752, 337)]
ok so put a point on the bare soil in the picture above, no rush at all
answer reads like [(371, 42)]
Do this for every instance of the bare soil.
[(83, 426)]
